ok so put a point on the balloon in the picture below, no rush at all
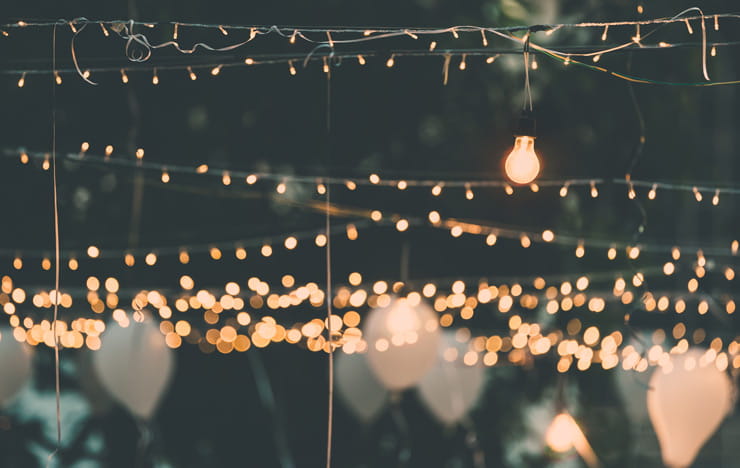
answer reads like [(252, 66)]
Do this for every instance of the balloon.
[(451, 388), (15, 366), (358, 386), (135, 365), (402, 342), (687, 401)]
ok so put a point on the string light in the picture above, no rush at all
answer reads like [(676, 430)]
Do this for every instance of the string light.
[(390, 62), (124, 77), (22, 80), (192, 74), (57, 78), (155, 78), (216, 70)]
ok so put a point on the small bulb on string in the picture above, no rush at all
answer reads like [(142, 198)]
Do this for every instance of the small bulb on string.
[(140, 154), (374, 179), (223, 30), (675, 253), (437, 190), (155, 78), (432, 46), (226, 178), (596, 58), (566, 62), (367, 32), (216, 70), (84, 147), (640, 9), (105, 31), (491, 239), (320, 188), (463, 64), (281, 188), (351, 185), (202, 169), (22, 80), (594, 190), (525, 241), (631, 192), (508, 189), (713, 51), (249, 61), (688, 26), (251, 179), (491, 59), (57, 77), (534, 187), (174, 32), (604, 34), (402, 185), (715, 198), (483, 37), (108, 151), (192, 74), (165, 176), (734, 247), (637, 37), (653, 192), (390, 62), (291, 68), (24, 157), (564, 191), (716, 22), (361, 60), (697, 194), (454, 33), (469, 195), (326, 65), (611, 254), (580, 250), (124, 77)]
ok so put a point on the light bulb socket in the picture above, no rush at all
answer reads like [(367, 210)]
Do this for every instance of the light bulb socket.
[(527, 126)]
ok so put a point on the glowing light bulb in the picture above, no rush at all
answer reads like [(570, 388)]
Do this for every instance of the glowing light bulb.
[(522, 165), (561, 434)]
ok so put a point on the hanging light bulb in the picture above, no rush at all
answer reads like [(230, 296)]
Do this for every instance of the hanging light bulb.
[(561, 434), (522, 165)]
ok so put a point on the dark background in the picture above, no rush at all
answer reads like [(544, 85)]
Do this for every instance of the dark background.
[(399, 122)]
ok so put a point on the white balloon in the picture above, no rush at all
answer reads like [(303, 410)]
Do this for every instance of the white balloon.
[(358, 386), (402, 342), (15, 366), (687, 401), (135, 365), (451, 388)]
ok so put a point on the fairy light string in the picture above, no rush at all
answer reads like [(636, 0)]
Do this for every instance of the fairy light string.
[(435, 185)]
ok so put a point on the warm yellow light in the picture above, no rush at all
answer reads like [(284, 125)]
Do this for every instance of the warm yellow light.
[(522, 165), (562, 433)]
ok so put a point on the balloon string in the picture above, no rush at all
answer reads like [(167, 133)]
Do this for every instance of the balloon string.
[(330, 403), (267, 397), (471, 440), (57, 386), (404, 452)]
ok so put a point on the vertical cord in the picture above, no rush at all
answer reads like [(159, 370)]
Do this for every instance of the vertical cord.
[(330, 404), (57, 386), (527, 90)]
